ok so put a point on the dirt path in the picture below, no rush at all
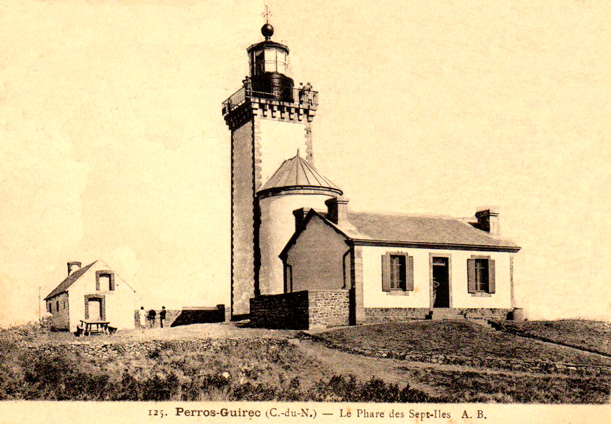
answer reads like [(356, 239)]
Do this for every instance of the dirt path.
[(558, 344), (393, 371)]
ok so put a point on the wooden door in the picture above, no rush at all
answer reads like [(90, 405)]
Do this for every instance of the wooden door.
[(95, 309)]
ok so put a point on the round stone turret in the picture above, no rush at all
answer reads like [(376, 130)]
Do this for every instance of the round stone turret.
[(296, 184)]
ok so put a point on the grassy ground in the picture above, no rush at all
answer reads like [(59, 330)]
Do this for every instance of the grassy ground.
[(456, 338), (590, 335), (195, 363), (224, 362)]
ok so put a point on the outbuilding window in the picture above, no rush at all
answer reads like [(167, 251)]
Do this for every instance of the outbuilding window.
[(397, 272), (481, 274), (104, 280)]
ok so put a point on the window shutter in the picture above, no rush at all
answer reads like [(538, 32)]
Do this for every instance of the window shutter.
[(386, 272), (97, 282), (491, 279), (471, 275), (410, 273), (112, 282)]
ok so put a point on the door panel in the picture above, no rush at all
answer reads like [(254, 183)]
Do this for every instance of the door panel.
[(95, 309), (441, 283)]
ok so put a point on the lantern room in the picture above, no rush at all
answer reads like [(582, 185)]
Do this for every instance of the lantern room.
[(269, 65)]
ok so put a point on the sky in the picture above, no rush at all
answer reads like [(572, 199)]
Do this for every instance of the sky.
[(113, 144)]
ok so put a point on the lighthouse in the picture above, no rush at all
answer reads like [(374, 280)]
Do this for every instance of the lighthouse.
[(270, 120)]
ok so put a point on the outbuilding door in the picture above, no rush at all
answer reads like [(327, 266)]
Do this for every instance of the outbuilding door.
[(441, 282), (94, 308)]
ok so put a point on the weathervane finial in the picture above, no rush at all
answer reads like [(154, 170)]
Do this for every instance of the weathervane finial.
[(267, 29), (266, 14)]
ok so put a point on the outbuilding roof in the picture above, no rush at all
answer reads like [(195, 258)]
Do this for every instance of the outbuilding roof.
[(297, 172), (71, 279)]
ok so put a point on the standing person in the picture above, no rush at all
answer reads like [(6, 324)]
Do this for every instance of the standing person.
[(162, 314), (141, 317), (151, 316)]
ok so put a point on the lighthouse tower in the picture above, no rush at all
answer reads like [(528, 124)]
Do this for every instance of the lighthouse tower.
[(270, 119)]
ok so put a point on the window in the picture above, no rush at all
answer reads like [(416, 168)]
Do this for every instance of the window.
[(104, 280), (481, 274), (397, 272), (57, 305), (288, 278)]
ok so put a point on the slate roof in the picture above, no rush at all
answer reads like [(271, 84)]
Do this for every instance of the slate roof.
[(297, 172), (422, 230), (71, 279)]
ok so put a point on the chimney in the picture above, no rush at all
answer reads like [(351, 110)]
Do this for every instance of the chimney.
[(73, 266), (488, 220), (300, 216), (337, 210)]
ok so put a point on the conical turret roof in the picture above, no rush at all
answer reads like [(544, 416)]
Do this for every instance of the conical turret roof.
[(297, 173)]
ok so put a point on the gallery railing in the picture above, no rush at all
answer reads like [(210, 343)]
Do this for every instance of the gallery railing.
[(301, 97)]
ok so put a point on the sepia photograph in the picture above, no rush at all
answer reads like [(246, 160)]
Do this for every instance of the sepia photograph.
[(290, 211)]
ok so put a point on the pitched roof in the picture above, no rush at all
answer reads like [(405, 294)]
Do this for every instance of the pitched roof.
[(71, 279), (297, 172), (423, 230)]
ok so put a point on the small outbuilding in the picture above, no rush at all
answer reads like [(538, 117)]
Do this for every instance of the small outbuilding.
[(91, 293)]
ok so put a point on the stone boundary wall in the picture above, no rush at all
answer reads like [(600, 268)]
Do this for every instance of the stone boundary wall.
[(171, 315), (329, 308), (510, 364), (200, 315), (185, 316), (151, 348), (301, 310), (287, 311)]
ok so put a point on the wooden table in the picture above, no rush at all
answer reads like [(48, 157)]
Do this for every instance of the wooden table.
[(90, 327)]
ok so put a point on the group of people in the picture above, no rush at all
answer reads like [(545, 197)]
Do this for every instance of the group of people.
[(150, 317)]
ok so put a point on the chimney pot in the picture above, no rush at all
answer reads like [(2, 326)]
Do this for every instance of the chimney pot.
[(300, 216), (488, 220), (73, 266), (337, 210)]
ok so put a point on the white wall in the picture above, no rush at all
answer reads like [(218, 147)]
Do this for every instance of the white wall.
[(374, 297), (277, 227), (279, 141), (120, 303)]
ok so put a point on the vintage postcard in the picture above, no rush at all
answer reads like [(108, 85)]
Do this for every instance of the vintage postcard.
[(305, 211)]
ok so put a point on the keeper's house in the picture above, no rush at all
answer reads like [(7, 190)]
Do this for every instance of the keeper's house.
[(395, 267), (94, 293)]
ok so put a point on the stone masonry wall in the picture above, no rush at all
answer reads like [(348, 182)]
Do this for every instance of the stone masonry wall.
[(287, 311), (486, 313), (379, 315), (171, 315), (329, 308), (301, 310)]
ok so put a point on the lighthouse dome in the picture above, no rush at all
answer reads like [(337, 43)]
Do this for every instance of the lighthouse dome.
[(297, 173)]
